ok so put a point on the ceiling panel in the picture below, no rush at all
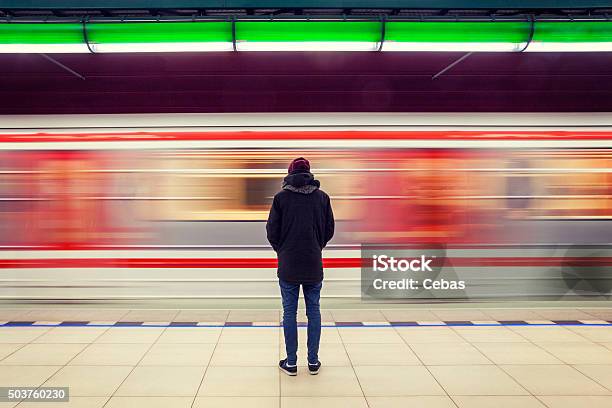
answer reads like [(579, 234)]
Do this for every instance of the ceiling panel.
[(305, 82)]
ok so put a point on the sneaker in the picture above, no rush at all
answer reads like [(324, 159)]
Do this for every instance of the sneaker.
[(313, 369), (286, 368)]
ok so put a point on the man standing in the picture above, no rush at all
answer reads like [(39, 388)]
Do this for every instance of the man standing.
[(300, 225)]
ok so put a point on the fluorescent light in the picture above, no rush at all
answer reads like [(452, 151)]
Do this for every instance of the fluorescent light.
[(211, 46), (335, 36), (306, 46), (538, 46), (43, 48), (453, 46)]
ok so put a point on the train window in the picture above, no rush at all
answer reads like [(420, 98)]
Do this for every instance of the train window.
[(560, 185), (231, 185), (259, 187)]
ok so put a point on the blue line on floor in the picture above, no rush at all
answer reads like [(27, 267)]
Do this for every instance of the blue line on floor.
[(324, 326)]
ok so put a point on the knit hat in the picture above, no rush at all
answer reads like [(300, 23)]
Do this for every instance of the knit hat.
[(299, 165)]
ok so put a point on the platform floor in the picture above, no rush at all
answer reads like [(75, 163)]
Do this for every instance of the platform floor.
[(559, 357)]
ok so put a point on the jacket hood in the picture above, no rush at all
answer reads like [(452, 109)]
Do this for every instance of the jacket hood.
[(303, 183)]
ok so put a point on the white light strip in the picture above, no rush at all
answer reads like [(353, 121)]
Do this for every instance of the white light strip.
[(336, 46), (307, 46), (43, 48), (117, 47), (163, 47), (453, 46), (538, 46)]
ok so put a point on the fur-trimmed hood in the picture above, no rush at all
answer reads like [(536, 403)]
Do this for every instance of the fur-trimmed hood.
[(303, 183)]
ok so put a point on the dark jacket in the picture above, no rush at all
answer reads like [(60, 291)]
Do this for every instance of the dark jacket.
[(300, 224)]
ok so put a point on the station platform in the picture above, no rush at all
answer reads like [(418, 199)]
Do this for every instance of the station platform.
[(425, 356)]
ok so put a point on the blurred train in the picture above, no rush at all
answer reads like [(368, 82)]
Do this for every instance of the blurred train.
[(174, 206)]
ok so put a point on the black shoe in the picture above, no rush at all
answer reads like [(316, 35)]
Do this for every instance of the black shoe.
[(286, 368), (313, 369)]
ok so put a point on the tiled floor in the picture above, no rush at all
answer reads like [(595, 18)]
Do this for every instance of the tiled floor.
[(376, 367)]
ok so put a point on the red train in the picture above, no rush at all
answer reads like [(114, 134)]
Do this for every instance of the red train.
[(204, 183)]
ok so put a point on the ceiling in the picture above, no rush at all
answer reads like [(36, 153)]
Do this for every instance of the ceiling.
[(305, 82)]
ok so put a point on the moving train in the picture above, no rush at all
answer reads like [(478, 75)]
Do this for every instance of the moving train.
[(174, 206)]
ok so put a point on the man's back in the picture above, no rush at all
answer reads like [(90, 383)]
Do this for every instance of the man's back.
[(301, 223)]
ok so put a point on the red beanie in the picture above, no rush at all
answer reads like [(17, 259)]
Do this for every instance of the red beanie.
[(299, 165)]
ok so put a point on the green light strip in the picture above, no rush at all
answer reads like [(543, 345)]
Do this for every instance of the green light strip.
[(573, 32), (117, 33), (41, 33), (506, 32), (305, 31), (299, 31)]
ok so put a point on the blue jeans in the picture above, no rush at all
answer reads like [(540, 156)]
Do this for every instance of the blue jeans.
[(290, 293)]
